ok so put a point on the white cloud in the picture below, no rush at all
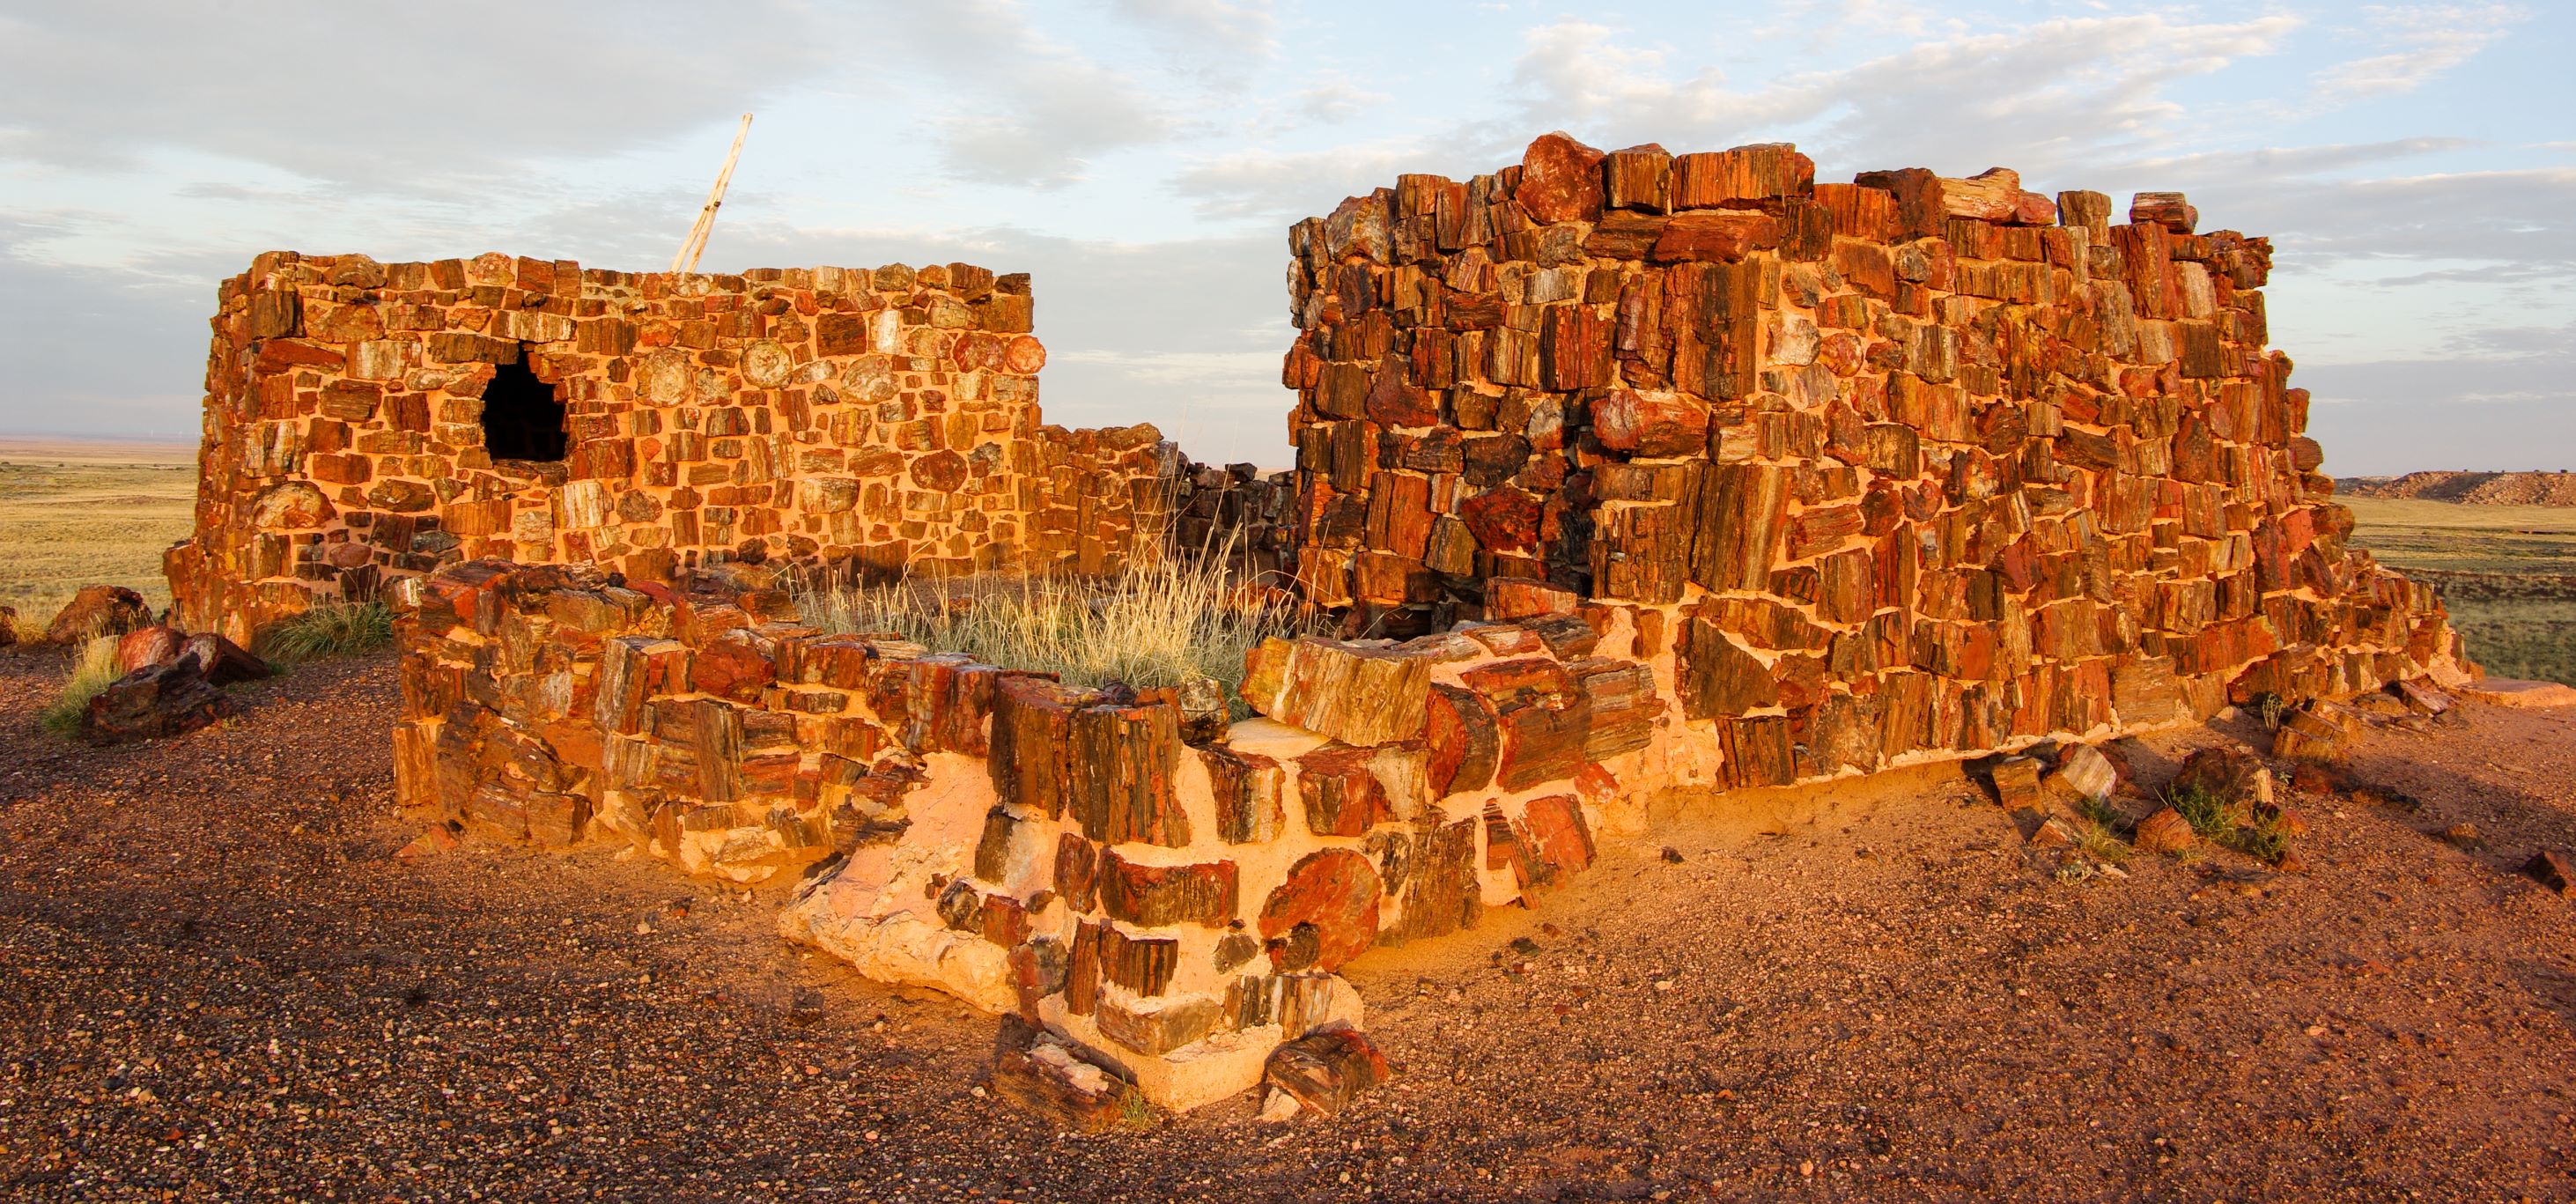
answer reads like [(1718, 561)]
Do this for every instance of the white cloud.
[(1335, 101), (2424, 41), (385, 97), (1197, 29), (1262, 183)]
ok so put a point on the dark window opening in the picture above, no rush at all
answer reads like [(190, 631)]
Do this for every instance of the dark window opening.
[(522, 418)]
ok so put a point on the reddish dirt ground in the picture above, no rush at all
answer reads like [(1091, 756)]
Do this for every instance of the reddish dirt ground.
[(217, 983)]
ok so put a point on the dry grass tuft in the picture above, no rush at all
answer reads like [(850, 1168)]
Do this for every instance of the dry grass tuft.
[(338, 629), (92, 671), (1161, 625)]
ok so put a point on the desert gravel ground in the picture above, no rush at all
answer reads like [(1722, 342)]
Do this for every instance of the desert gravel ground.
[(217, 983)]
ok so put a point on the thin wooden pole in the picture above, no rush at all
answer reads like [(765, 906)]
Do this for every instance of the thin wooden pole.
[(687, 259)]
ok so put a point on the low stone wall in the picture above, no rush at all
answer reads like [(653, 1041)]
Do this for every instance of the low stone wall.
[(884, 418), (1171, 890)]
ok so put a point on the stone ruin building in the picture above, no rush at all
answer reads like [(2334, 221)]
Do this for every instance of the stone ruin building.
[(1647, 477), (367, 423)]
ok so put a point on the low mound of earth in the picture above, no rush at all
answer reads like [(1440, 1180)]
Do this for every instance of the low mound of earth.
[(216, 982), (2476, 488)]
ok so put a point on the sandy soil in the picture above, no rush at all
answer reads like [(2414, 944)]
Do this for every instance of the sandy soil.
[(215, 982)]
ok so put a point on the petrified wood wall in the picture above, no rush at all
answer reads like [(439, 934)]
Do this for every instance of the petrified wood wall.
[(1906, 465), (1172, 890), (827, 414)]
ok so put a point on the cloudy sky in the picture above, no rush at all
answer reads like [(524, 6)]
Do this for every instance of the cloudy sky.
[(2415, 163)]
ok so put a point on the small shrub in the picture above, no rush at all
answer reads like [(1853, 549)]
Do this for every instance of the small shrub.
[(2264, 838), (336, 629), (2210, 816), (2269, 706), (2101, 813), (1134, 1111), (2096, 840), (92, 671)]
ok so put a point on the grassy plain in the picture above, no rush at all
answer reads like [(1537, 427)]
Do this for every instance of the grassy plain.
[(2508, 575), (75, 513)]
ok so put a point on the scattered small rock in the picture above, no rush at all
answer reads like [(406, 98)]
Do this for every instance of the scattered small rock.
[(1327, 1069), (2016, 782), (2554, 869), (2230, 774), (95, 611), (1035, 1070), (2165, 832), (1279, 1107), (438, 839), (2464, 836), (2085, 772)]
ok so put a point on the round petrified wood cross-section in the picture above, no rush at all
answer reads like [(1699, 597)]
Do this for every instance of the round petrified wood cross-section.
[(1332, 895), (941, 471)]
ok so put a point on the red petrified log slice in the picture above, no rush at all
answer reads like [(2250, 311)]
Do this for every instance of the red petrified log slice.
[(1361, 696), (1542, 717), (1991, 195), (1121, 760), (1393, 400), (2166, 209), (1463, 740), (1741, 521), (1324, 1071), (157, 700), (1153, 896), (1342, 795), (145, 647), (1441, 890), (1504, 519), (1717, 678), (1335, 893), (1758, 751), (1639, 177), (1140, 964), (1651, 424), (226, 662), (1560, 181), (730, 669), (1920, 210), (1521, 598), (1247, 787), (1714, 237), (1743, 177), (1556, 826), (1077, 872), (1621, 698), (1045, 1076), (98, 610)]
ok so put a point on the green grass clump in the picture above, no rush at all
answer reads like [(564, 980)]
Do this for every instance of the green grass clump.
[(1159, 625), (2264, 838), (92, 671), (2210, 816), (2258, 832), (335, 629)]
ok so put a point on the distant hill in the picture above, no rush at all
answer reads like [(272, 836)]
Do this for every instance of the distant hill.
[(2476, 488)]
